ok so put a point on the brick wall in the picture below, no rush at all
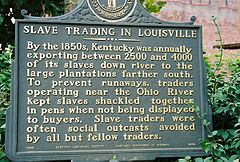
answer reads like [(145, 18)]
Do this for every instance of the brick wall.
[(227, 18), (217, 3)]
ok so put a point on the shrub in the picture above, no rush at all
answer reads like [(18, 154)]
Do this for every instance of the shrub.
[(5, 85), (223, 82)]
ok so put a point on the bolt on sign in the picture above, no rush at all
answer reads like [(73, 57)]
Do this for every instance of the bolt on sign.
[(106, 80)]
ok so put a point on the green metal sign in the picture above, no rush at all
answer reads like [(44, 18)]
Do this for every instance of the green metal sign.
[(107, 80)]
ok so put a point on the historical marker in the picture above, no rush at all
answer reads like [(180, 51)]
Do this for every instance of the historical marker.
[(106, 80)]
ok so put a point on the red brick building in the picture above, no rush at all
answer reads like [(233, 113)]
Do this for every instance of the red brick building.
[(226, 12)]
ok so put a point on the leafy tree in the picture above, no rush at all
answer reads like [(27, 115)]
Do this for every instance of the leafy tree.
[(152, 5), (11, 9)]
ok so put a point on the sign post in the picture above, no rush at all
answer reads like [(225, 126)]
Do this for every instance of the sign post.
[(106, 80)]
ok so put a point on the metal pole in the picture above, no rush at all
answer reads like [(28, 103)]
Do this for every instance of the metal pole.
[(190, 1), (209, 2)]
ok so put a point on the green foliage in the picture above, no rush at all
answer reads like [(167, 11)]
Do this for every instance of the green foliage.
[(10, 9), (223, 80), (5, 84), (152, 5), (224, 99)]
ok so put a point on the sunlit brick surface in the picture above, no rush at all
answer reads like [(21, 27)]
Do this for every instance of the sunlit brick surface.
[(227, 18)]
